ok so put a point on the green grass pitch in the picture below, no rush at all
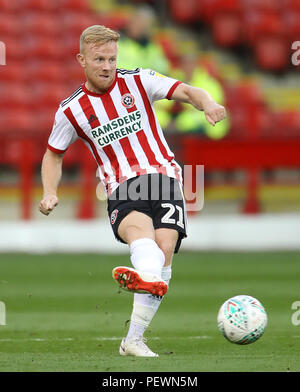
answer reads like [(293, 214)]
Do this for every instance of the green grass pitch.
[(65, 313)]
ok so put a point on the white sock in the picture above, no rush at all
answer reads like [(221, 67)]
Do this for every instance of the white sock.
[(145, 307), (146, 256)]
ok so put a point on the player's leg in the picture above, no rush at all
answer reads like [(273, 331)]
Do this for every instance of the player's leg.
[(170, 228), (134, 226), (146, 305), (167, 239), (136, 229)]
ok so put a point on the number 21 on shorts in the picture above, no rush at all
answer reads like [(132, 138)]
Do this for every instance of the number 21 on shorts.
[(167, 218)]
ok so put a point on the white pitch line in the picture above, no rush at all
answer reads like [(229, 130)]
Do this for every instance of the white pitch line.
[(98, 338)]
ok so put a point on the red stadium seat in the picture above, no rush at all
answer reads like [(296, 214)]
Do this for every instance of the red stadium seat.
[(44, 120), (15, 49), (9, 25), (12, 72), (257, 25), (113, 21), (249, 93), (206, 10), (70, 43), (291, 19), (292, 5), (41, 23), (43, 48), (14, 95), (75, 5), (288, 123), (15, 121), (41, 5), (48, 95), (233, 6), (9, 5), (227, 29), (272, 53), (75, 23), (184, 11), (45, 71), (264, 6)]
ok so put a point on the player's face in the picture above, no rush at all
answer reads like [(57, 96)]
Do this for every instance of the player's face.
[(99, 62)]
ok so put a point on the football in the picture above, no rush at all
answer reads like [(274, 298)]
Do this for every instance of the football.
[(242, 319)]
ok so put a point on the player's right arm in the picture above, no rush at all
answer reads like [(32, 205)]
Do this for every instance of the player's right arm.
[(63, 134), (51, 175)]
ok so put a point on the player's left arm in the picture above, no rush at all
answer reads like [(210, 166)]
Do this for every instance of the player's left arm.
[(201, 100)]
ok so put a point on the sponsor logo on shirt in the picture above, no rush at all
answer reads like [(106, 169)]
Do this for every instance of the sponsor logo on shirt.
[(117, 129), (154, 73)]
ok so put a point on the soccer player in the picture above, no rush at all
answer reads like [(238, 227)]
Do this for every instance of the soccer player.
[(112, 114)]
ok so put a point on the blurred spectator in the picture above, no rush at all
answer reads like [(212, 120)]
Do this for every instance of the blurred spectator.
[(137, 46), (185, 118)]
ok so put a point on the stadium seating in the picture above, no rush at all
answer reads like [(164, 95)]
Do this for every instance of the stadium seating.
[(42, 69), (41, 47), (271, 53), (184, 11), (246, 22), (15, 121), (9, 6), (74, 5), (9, 25), (15, 49), (17, 95), (291, 19), (227, 29), (11, 72), (75, 22), (41, 5), (45, 71), (41, 24)]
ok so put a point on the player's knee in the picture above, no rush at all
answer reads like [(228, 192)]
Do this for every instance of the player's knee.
[(133, 231)]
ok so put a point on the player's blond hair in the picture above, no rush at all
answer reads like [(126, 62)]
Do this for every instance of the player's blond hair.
[(97, 34)]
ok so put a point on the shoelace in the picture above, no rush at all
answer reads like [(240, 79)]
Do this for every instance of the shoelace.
[(142, 343)]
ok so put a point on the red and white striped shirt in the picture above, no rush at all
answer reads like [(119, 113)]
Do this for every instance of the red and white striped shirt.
[(119, 127)]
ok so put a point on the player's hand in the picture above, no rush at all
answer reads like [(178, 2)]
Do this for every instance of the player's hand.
[(47, 204), (214, 112)]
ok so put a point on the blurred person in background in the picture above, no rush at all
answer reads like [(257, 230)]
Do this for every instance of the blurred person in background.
[(112, 113), (137, 44), (188, 119), (184, 118)]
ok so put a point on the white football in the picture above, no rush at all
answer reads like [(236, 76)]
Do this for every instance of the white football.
[(242, 319)]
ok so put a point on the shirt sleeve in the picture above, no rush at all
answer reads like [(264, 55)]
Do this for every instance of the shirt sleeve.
[(158, 86), (63, 134)]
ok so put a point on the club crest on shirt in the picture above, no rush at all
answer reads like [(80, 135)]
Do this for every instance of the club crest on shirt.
[(113, 216), (128, 100)]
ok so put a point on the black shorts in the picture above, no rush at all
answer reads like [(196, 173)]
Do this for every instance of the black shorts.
[(158, 196)]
